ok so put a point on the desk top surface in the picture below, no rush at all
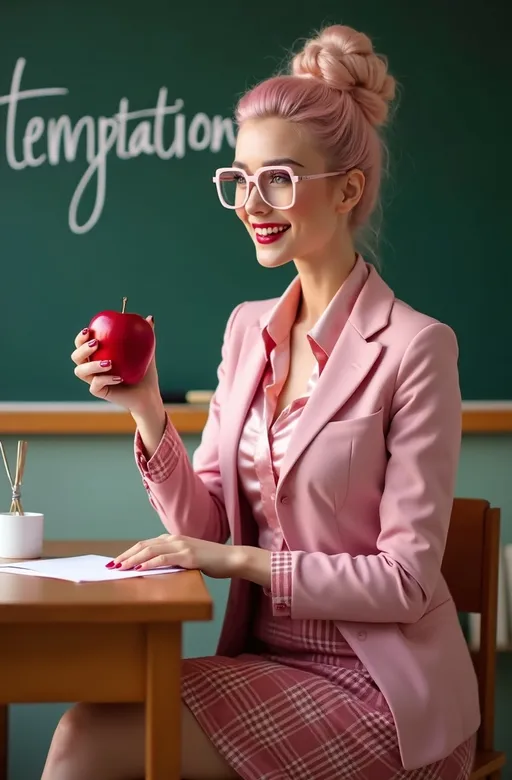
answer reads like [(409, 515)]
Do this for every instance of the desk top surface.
[(167, 597)]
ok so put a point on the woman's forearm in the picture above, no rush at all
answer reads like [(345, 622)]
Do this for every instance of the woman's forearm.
[(151, 424), (253, 564)]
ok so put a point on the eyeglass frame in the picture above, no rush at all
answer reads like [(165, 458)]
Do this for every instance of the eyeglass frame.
[(253, 179)]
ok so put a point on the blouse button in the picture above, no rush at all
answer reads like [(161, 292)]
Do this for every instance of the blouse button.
[(285, 499), (361, 635)]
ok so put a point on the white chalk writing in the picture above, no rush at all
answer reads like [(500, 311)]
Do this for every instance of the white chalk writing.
[(59, 138)]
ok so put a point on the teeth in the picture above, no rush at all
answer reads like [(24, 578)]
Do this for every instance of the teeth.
[(269, 231)]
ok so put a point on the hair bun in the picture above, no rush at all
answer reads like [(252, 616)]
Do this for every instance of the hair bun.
[(344, 60)]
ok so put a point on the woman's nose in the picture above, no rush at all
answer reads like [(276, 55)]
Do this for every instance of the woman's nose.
[(255, 203)]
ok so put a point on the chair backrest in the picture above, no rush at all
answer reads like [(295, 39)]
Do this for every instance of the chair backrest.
[(470, 567)]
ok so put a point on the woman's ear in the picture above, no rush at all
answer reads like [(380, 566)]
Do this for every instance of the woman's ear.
[(351, 190)]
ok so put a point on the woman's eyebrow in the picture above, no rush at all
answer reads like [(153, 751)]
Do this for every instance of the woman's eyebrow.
[(278, 161)]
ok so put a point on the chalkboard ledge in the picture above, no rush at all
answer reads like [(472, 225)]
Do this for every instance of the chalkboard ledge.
[(94, 417), (99, 418)]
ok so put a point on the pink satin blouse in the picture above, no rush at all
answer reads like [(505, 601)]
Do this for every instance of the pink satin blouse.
[(261, 451)]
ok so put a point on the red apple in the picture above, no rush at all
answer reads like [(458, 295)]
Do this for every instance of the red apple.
[(125, 339)]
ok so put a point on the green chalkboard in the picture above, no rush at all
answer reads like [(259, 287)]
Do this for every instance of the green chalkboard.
[(86, 217)]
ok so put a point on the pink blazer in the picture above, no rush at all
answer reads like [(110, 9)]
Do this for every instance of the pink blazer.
[(364, 501)]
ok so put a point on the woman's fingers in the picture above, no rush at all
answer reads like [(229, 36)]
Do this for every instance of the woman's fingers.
[(89, 369), (143, 555), (139, 547), (82, 337), (99, 384), (83, 352), (95, 374), (148, 551), (156, 562)]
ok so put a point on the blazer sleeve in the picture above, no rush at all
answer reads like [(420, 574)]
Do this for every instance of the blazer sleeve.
[(188, 496), (423, 442)]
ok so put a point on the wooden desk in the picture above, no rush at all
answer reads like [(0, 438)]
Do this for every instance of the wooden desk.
[(100, 642)]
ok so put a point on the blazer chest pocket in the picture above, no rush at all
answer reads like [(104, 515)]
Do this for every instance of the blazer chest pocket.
[(349, 453)]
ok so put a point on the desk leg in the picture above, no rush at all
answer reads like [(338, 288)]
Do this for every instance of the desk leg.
[(4, 740), (163, 702)]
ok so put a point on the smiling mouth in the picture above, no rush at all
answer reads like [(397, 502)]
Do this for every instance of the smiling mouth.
[(268, 234)]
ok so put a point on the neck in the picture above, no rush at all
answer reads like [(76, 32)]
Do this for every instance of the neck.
[(320, 281)]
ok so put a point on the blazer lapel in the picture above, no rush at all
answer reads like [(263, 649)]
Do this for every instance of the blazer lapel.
[(351, 360), (251, 365), (348, 365)]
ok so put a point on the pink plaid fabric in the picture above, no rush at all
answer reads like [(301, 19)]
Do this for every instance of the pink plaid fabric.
[(281, 587), (279, 718), (161, 465)]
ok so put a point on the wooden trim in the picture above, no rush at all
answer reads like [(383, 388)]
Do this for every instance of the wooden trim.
[(490, 420), (60, 419)]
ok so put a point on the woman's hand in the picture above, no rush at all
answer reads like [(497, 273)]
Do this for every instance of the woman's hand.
[(213, 559), (107, 386)]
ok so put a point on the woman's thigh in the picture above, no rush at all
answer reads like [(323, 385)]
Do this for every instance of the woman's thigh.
[(106, 742)]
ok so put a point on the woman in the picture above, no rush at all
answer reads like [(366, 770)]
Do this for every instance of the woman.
[(329, 457)]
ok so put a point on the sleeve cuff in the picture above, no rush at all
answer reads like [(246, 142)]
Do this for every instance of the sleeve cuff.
[(163, 462), (281, 572)]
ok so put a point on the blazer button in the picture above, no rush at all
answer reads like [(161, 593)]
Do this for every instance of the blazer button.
[(361, 635), (285, 499)]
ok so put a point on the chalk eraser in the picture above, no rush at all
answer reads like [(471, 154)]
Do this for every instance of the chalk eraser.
[(198, 396)]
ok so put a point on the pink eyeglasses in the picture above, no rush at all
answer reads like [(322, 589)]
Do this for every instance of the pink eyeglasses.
[(277, 186)]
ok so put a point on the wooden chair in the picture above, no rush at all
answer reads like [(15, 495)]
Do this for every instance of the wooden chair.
[(470, 567), (4, 736)]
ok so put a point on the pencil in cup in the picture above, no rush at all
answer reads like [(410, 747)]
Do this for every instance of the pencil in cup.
[(21, 456)]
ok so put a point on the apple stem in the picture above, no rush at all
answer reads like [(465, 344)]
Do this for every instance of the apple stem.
[(124, 305)]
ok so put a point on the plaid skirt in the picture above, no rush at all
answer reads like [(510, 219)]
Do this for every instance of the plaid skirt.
[(282, 718)]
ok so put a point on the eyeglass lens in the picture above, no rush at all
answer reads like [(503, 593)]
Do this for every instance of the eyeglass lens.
[(275, 187)]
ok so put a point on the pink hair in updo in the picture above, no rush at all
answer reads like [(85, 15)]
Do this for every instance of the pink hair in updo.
[(340, 90)]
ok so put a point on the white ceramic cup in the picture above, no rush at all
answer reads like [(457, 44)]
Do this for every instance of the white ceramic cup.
[(21, 536)]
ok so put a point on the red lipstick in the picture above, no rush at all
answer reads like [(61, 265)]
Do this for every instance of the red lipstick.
[(269, 236)]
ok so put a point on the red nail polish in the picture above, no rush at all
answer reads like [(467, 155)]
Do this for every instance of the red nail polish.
[(104, 363), (110, 565), (118, 565), (85, 331), (139, 566), (92, 343)]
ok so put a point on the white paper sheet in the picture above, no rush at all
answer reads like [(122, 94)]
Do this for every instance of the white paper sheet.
[(80, 568)]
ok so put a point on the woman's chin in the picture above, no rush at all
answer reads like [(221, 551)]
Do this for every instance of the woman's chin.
[(270, 257)]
